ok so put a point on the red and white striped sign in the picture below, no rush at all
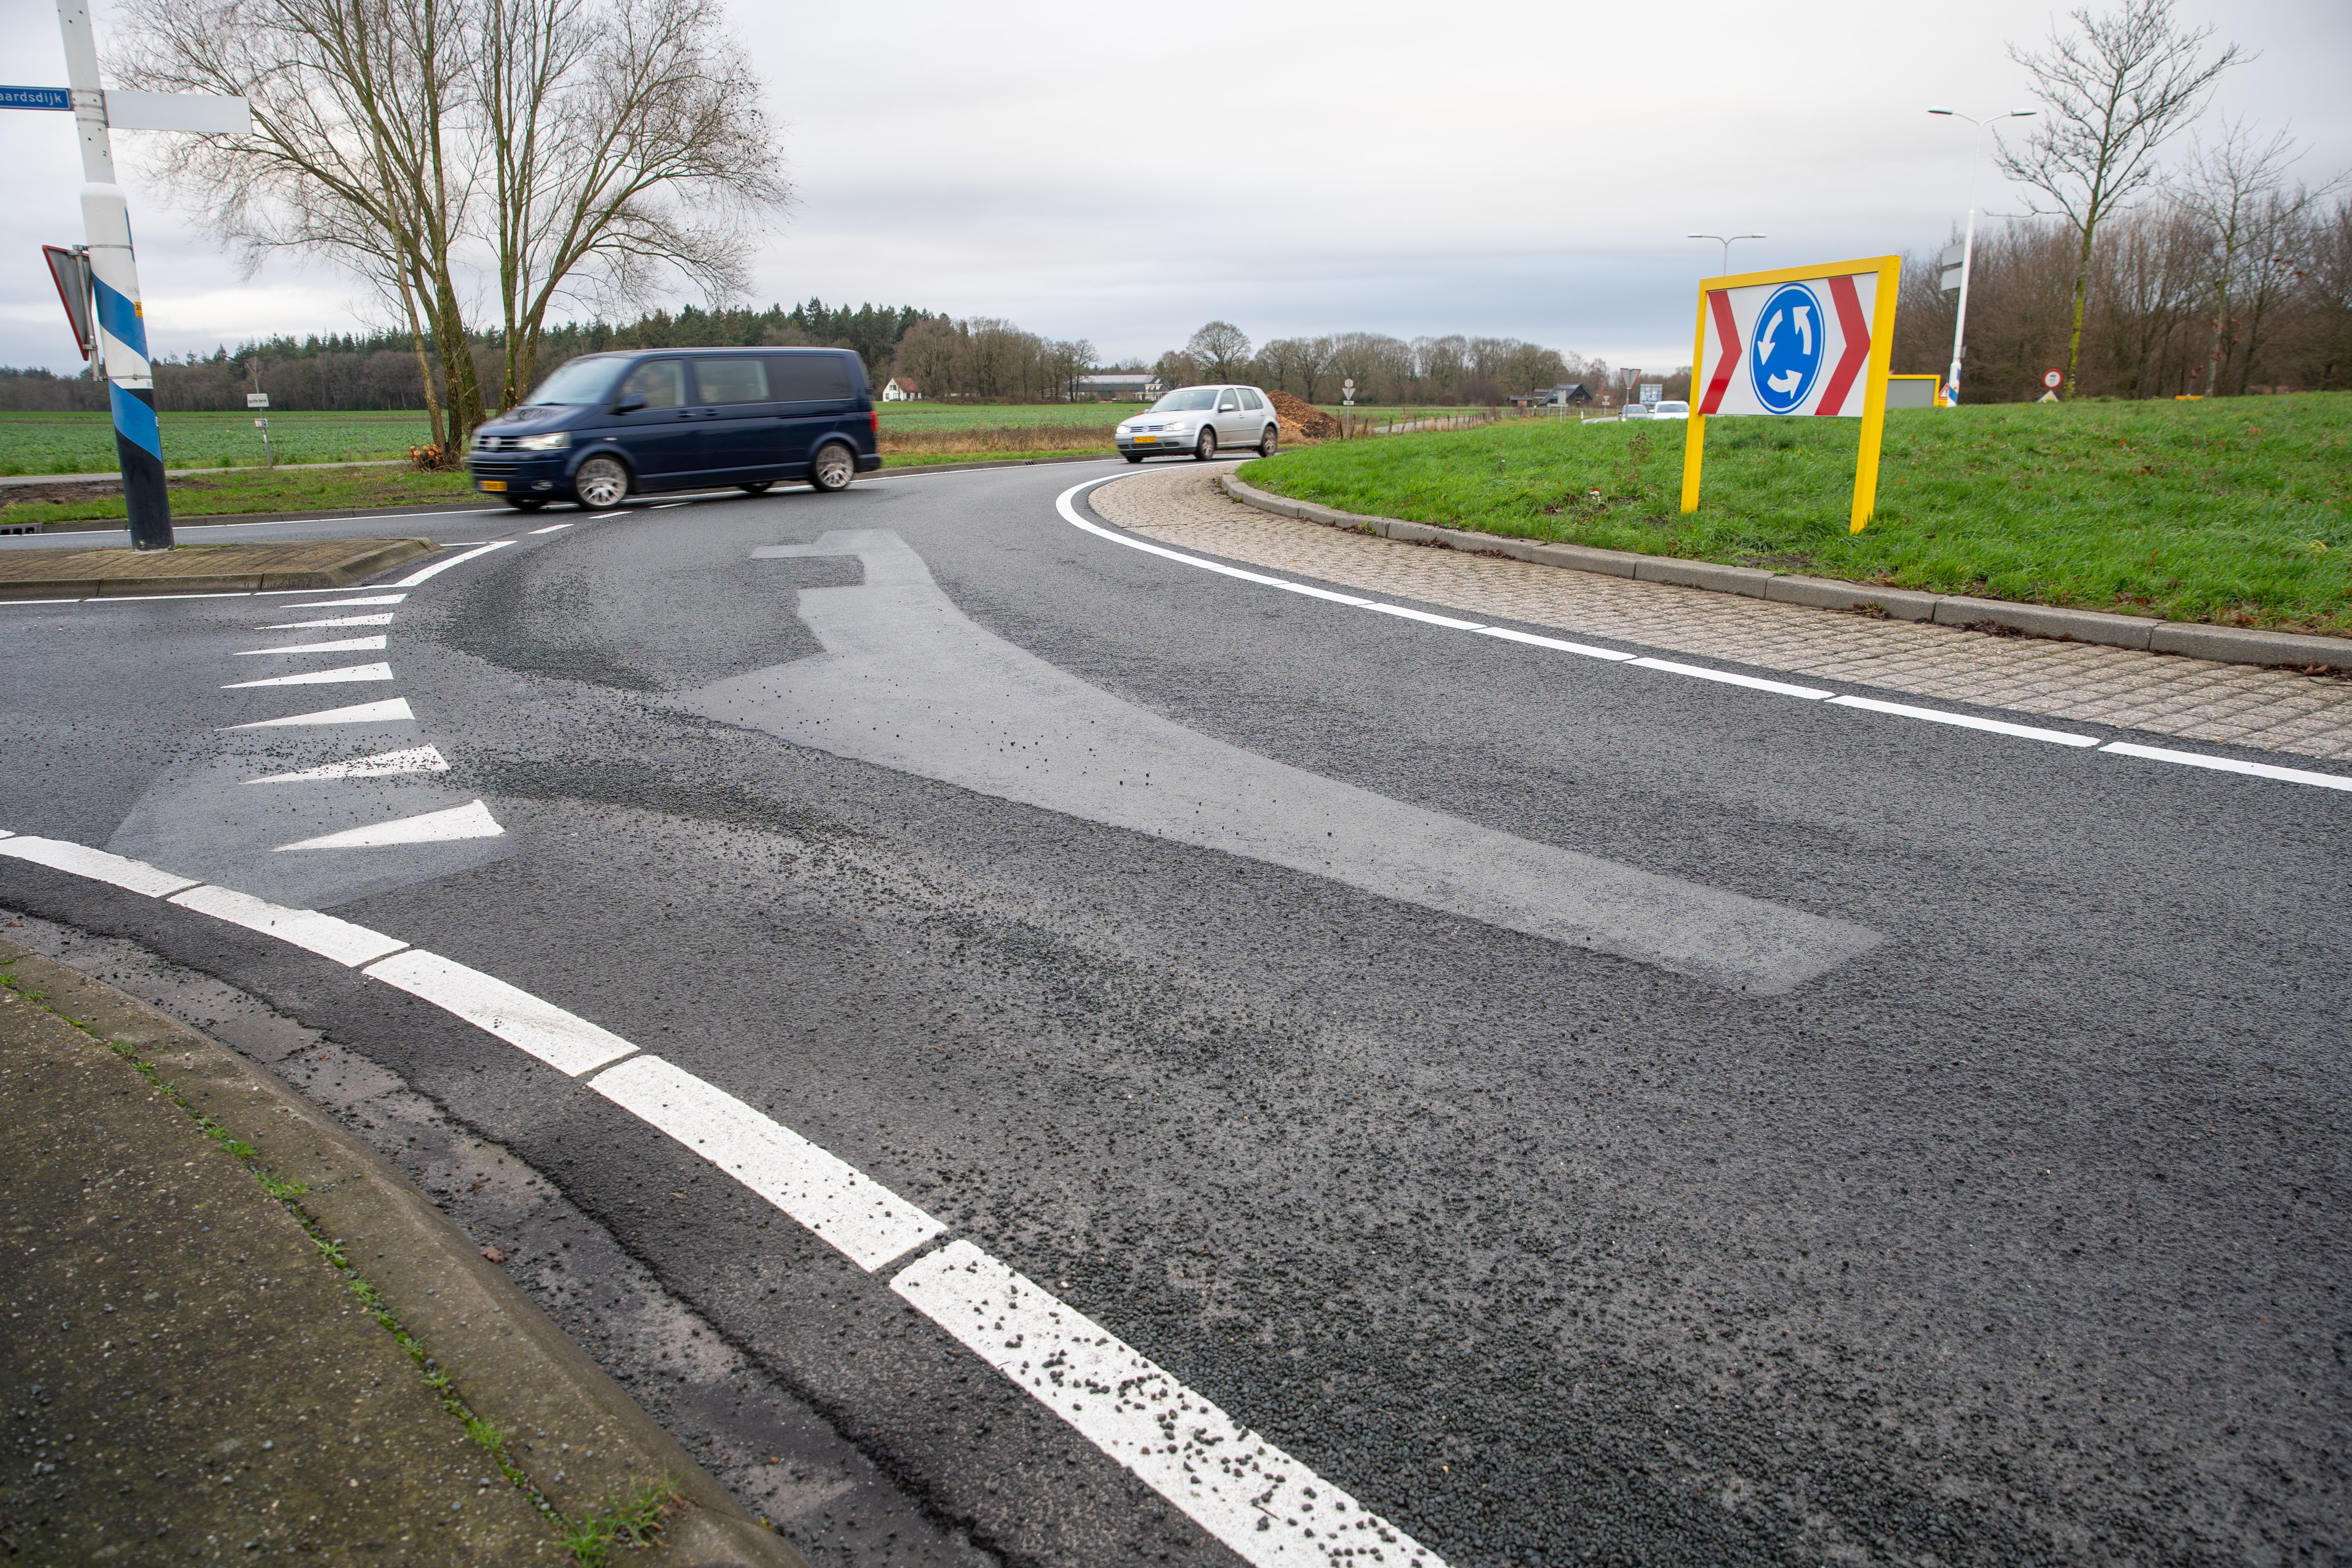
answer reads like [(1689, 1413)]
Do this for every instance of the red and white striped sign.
[(1791, 346)]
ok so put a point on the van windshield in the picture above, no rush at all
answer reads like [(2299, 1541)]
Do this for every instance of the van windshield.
[(582, 381), (1186, 397)]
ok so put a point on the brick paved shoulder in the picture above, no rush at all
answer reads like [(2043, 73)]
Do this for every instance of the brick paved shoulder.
[(2164, 694)]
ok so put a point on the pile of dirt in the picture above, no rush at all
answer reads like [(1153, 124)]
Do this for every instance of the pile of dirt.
[(1301, 420)]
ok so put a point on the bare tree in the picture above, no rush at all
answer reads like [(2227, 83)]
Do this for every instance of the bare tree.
[(2113, 96), (2235, 187), (1220, 349)]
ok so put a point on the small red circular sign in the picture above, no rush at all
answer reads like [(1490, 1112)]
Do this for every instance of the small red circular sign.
[(2051, 379)]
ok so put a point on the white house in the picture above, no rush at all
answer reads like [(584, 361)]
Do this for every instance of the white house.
[(900, 389)]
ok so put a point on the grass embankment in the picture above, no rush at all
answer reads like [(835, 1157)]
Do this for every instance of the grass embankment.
[(2232, 510), (292, 489)]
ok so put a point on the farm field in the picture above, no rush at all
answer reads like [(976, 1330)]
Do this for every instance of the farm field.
[(2231, 511), (84, 442)]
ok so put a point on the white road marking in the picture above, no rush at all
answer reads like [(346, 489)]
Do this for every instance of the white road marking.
[(568, 1044), (320, 677), (1449, 622), (391, 709), (347, 645), (95, 864), (2231, 765), (415, 760), (553, 528), (470, 821), (599, 516), (1258, 1501), (869, 1224), (346, 603), (1508, 635), (665, 506), (381, 620), (413, 578), (347, 944), (1782, 687), (1937, 716)]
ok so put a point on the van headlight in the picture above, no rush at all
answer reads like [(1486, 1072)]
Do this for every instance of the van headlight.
[(553, 441)]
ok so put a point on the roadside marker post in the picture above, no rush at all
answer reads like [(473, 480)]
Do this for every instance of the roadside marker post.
[(109, 318), (1798, 340)]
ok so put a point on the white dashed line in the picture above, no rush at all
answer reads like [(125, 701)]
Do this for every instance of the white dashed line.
[(319, 678), (1937, 716), (1699, 672), (347, 944), (137, 876), (538, 1028), (391, 710), (383, 620), (346, 603), (458, 823), (553, 528), (348, 644), (413, 578), (415, 760), (2231, 765)]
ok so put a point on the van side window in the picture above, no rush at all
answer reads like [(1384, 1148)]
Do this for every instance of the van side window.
[(808, 378), (660, 382), (735, 379), (1250, 399)]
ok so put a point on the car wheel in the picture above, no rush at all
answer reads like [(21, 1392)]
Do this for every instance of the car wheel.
[(601, 482), (835, 467), (1205, 447), (757, 488), (526, 503), (1132, 456), (1267, 442)]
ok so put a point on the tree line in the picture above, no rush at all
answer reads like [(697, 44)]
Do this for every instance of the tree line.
[(1454, 370)]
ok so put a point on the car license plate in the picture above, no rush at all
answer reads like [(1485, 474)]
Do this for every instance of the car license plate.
[(1145, 441), (493, 484)]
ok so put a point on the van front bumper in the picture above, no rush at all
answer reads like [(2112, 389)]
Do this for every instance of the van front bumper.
[(520, 473)]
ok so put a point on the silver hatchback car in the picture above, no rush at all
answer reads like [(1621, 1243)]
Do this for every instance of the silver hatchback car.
[(1200, 419)]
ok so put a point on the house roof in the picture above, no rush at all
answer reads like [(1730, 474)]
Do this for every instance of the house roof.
[(904, 382)]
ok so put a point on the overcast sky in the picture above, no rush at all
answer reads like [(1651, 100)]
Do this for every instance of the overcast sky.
[(1124, 172)]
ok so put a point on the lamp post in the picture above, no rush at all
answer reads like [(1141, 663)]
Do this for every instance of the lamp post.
[(1725, 239), (1969, 245)]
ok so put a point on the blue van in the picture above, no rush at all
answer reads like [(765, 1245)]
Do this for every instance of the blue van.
[(605, 426)]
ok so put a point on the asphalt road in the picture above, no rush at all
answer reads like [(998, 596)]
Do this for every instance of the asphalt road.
[(1584, 1113)]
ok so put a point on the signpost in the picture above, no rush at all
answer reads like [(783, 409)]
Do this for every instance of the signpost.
[(1348, 393), (2051, 380), (101, 286), (1803, 341)]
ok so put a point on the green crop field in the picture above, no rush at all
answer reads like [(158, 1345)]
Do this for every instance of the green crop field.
[(2232, 510), (84, 442)]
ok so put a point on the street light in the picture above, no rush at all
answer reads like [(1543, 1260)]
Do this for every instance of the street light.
[(1726, 239), (1969, 246)]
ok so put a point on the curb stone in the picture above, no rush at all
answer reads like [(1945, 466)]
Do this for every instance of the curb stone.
[(368, 558), (512, 1363), (2221, 645)]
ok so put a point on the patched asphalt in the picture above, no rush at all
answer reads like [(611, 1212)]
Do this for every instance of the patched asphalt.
[(2009, 1239)]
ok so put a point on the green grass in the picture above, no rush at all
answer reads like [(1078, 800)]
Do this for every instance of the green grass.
[(2231, 511), (84, 442), (263, 490)]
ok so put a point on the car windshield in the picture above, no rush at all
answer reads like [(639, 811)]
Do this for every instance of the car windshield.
[(1673, 408), (582, 381), (1186, 398)]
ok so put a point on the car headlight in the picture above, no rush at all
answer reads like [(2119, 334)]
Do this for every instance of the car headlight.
[(553, 441)]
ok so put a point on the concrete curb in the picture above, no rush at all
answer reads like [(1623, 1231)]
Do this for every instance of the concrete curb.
[(367, 564), (2223, 644), (517, 1369)]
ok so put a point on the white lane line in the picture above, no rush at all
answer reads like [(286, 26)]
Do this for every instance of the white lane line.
[(459, 822), (553, 528), (1449, 622), (391, 709), (1937, 716), (1258, 1501), (568, 1044), (665, 506), (347, 944), (320, 677), (2231, 765), (597, 517), (869, 1224), (346, 645), (346, 603), (95, 864), (414, 759), (381, 620), (11, 603), (1808, 693), (413, 578), (1508, 635)]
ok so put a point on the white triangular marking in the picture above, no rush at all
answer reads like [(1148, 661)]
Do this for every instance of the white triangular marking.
[(433, 827), (381, 620), (348, 644), (320, 677), (415, 760), (359, 713)]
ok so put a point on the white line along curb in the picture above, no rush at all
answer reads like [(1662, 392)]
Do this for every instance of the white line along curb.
[(1064, 503), (1272, 1511)]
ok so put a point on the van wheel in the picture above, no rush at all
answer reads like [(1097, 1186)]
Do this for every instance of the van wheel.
[(835, 467), (759, 487), (1206, 447), (1266, 443), (601, 482)]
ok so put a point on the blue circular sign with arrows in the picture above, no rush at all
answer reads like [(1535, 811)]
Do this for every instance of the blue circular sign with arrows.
[(1785, 358)]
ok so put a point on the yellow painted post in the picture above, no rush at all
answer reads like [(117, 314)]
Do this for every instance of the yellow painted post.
[(1873, 405), (1695, 434)]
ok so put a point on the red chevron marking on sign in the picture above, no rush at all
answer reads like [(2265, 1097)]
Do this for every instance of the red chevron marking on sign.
[(1856, 329), (1719, 301)]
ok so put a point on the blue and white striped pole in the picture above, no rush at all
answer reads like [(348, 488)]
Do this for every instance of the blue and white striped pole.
[(122, 328)]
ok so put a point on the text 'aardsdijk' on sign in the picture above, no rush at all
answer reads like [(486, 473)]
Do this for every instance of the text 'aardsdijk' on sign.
[(1803, 341)]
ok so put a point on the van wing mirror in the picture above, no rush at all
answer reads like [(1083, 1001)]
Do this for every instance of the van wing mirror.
[(630, 402)]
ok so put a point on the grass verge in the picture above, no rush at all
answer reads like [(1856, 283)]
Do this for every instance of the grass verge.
[(2231, 511), (261, 489)]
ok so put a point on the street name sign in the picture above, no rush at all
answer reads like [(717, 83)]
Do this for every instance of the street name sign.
[(256, 400), (1812, 341)]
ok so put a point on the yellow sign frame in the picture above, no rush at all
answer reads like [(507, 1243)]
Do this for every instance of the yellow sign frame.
[(1889, 270)]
